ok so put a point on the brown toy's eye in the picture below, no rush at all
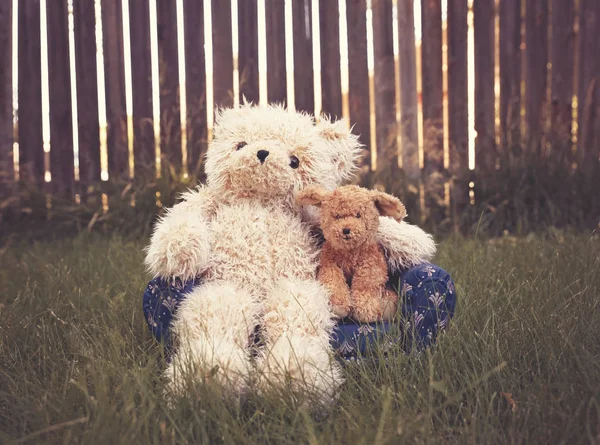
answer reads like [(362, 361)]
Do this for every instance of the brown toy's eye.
[(241, 145), (337, 216), (358, 215), (294, 162)]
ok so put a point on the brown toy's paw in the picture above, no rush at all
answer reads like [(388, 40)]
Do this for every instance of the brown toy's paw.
[(340, 303), (340, 311), (367, 313), (389, 305)]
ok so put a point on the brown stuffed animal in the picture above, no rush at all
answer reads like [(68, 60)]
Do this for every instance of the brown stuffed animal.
[(353, 266)]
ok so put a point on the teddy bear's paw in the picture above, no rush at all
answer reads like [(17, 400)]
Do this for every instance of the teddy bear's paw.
[(301, 364), (227, 366), (181, 252)]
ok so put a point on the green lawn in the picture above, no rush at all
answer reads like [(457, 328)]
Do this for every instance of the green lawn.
[(78, 365)]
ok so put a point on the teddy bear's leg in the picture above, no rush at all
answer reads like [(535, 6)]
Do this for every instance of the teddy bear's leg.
[(212, 330), (297, 325)]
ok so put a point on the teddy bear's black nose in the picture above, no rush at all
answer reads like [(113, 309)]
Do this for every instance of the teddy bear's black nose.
[(262, 155), (346, 231)]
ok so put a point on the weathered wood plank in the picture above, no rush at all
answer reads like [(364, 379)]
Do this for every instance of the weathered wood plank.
[(248, 50), (114, 77), (331, 80), (588, 149), (141, 73), (358, 75), (536, 58), (458, 104), (432, 96), (408, 90), (87, 91), (222, 54), (303, 57), (385, 93), (195, 83), (6, 106), (59, 80), (510, 74), (170, 117), (563, 51), (31, 154), (275, 31), (485, 146)]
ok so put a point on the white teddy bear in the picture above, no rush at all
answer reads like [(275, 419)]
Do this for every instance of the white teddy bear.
[(253, 248)]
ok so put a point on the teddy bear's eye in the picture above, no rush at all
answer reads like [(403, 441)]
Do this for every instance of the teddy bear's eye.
[(338, 216), (294, 162), (358, 215), (241, 145)]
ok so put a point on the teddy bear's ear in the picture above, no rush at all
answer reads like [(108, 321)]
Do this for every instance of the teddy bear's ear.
[(389, 205), (312, 195), (343, 147)]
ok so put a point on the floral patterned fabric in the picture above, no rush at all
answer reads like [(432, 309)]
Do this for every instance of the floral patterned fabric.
[(427, 303)]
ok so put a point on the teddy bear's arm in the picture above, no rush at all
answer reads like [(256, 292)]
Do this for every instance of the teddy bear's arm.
[(180, 243), (404, 245)]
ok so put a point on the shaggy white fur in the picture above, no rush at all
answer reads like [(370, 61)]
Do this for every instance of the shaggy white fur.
[(246, 237), (404, 245)]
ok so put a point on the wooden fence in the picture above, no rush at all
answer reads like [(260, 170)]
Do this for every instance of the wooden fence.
[(532, 82)]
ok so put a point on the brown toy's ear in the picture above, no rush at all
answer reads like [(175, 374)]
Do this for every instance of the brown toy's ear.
[(312, 195), (389, 205)]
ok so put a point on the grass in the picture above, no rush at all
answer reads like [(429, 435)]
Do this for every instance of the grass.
[(520, 364)]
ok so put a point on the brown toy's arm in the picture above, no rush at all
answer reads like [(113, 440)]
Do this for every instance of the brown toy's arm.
[(332, 277), (368, 286)]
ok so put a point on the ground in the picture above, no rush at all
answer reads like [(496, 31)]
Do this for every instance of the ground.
[(520, 363)]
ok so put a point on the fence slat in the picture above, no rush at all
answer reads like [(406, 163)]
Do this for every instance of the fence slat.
[(6, 123), (408, 90), (536, 57), (358, 76), (409, 108), (170, 119), (59, 78), (303, 65), (195, 82), (510, 74), (431, 64), (385, 95), (114, 76), (275, 31), (458, 103), (31, 155), (222, 54), (331, 81), (563, 51), (589, 84), (87, 91), (141, 74), (248, 49), (485, 147)]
